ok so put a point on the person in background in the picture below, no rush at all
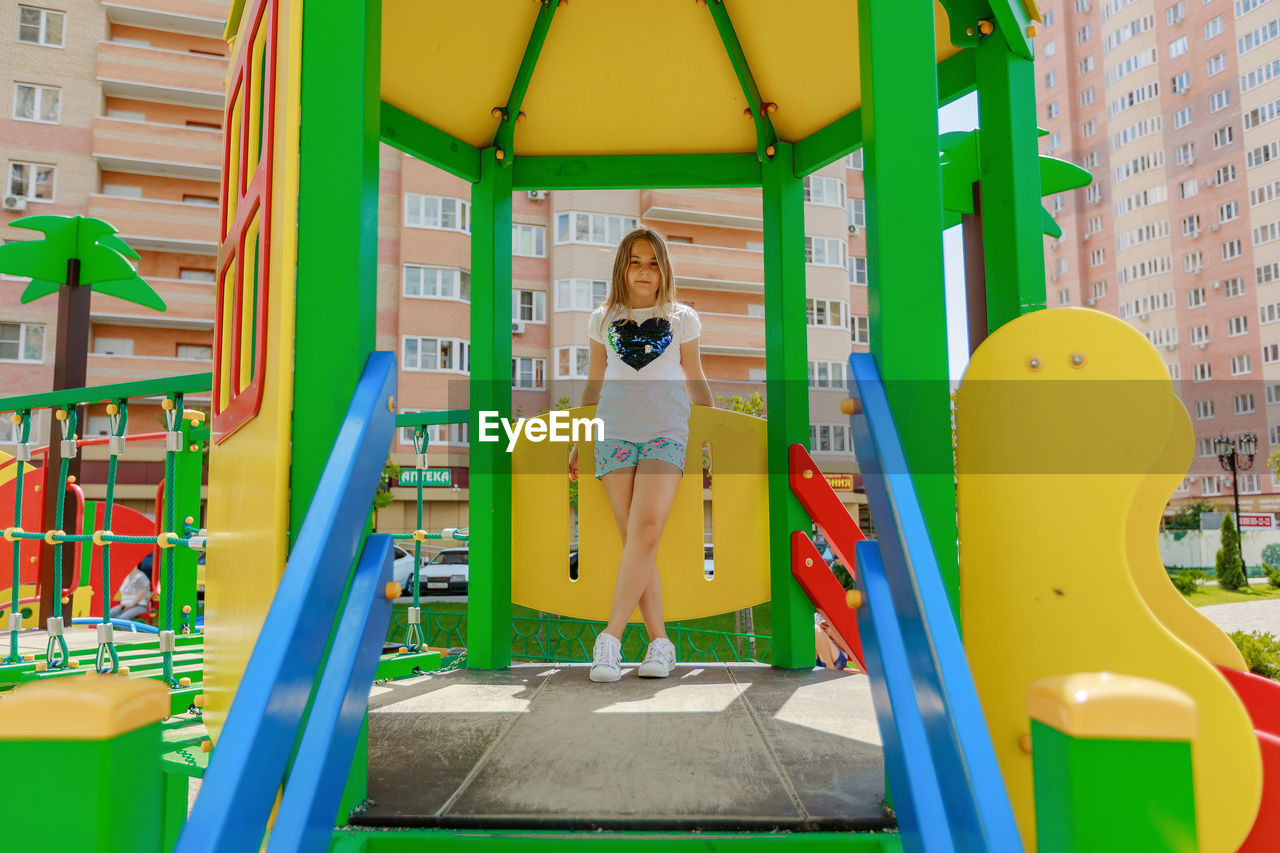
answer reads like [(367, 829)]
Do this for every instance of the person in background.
[(134, 592), (832, 651)]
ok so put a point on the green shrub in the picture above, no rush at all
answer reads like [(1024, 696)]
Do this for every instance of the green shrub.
[(1187, 582), (1261, 652), (1228, 566), (1271, 554), (1272, 573)]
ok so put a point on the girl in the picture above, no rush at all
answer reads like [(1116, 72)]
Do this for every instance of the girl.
[(645, 370)]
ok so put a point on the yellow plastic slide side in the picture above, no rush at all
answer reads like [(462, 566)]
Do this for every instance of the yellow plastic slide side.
[(1069, 433), (541, 536)]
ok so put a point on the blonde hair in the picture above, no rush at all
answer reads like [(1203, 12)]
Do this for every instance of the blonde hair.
[(618, 302)]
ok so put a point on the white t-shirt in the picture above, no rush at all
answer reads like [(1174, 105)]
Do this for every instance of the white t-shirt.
[(644, 395)]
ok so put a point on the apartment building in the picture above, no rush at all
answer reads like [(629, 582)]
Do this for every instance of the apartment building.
[(1172, 106), (114, 110)]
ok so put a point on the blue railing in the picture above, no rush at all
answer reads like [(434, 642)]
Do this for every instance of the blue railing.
[(285, 669)]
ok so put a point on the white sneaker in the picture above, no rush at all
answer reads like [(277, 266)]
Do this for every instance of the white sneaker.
[(606, 658), (659, 659)]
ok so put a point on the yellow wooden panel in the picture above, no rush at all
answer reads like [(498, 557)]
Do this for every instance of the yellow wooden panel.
[(90, 708), (8, 474), (1057, 462), (740, 513), (249, 471), (622, 78)]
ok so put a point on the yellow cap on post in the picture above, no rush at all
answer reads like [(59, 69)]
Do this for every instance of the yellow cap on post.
[(1108, 705)]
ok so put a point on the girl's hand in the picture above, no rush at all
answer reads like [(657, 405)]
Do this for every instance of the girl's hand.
[(573, 463)]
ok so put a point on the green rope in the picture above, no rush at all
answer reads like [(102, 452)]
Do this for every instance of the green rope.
[(14, 657), (173, 418), (413, 638), (107, 649), (57, 652)]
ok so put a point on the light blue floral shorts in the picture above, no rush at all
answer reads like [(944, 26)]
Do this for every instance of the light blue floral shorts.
[(614, 453)]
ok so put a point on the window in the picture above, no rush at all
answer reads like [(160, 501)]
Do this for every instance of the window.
[(827, 312), (596, 228), (1048, 18), (1085, 65), (202, 200), (112, 346), (1209, 485), (1090, 160), (1051, 79), (1219, 100), (1175, 371), (1093, 193), (1060, 266), (21, 342), (438, 212), (1195, 297), (1190, 226), (826, 374), (1182, 117), (580, 294), (828, 191), (1241, 364), (1204, 410), (1051, 111), (441, 355), (572, 362), (32, 181), (202, 352), (1229, 211), (530, 373), (1055, 140), (858, 270), (1050, 49), (529, 306), (1084, 34), (1222, 137), (825, 251), (1233, 287), (857, 210), (1087, 97), (1204, 448), (1201, 372), (1199, 335), (1185, 154), (1089, 128), (1175, 13), (1231, 249), (1250, 482), (1181, 82), (1271, 355), (36, 103), (1082, 6), (854, 160), (528, 241), (437, 283), (1242, 404), (861, 329), (1059, 203), (1225, 174), (829, 438), (1095, 225), (1213, 28), (1098, 289), (40, 26), (1097, 257), (1064, 296), (1188, 189), (1216, 64), (1237, 326)]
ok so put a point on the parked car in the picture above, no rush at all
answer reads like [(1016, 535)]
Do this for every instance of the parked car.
[(708, 564), (402, 568), (446, 573)]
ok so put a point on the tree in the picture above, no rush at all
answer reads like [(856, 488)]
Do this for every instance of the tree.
[(752, 404), (1188, 517), (382, 497), (1228, 565)]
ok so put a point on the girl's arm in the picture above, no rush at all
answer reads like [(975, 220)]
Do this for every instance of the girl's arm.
[(695, 381), (595, 374)]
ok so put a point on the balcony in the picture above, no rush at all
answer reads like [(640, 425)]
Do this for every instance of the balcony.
[(110, 369), (190, 306), (198, 17), (160, 226), (717, 268), (738, 335), (727, 208), (167, 76), (148, 148)]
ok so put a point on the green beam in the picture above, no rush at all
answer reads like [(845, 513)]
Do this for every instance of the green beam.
[(189, 384), (765, 134), (452, 416), (418, 139), (337, 194), (903, 183), (786, 342), (642, 171), (503, 139), (1009, 174), (1012, 21), (956, 78), (489, 512)]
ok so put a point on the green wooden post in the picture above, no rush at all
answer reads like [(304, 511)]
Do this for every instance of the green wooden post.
[(786, 357), (904, 248), (489, 592), (188, 475), (337, 233), (1013, 242)]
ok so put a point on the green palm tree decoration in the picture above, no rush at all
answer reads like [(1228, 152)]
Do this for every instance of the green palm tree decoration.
[(77, 251), (961, 170)]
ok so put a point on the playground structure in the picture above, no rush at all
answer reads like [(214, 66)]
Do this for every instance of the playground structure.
[(985, 748)]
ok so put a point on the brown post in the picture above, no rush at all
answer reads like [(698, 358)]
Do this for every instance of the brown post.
[(70, 368), (975, 271)]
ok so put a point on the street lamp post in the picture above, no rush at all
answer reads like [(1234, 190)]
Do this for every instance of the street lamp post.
[(1235, 455)]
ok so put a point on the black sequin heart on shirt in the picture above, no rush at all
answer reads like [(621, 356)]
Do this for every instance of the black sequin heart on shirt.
[(637, 344)]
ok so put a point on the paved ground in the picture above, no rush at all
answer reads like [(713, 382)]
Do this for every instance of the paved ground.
[(716, 746), (1246, 615)]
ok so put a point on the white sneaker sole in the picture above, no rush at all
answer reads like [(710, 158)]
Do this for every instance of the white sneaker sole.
[(656, 670), (600, 674)]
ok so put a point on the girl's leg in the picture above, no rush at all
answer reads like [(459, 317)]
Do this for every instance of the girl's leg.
[(652, 494), (618, 486)]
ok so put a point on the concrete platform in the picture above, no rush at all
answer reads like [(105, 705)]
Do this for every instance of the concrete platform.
[(714, 747)]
